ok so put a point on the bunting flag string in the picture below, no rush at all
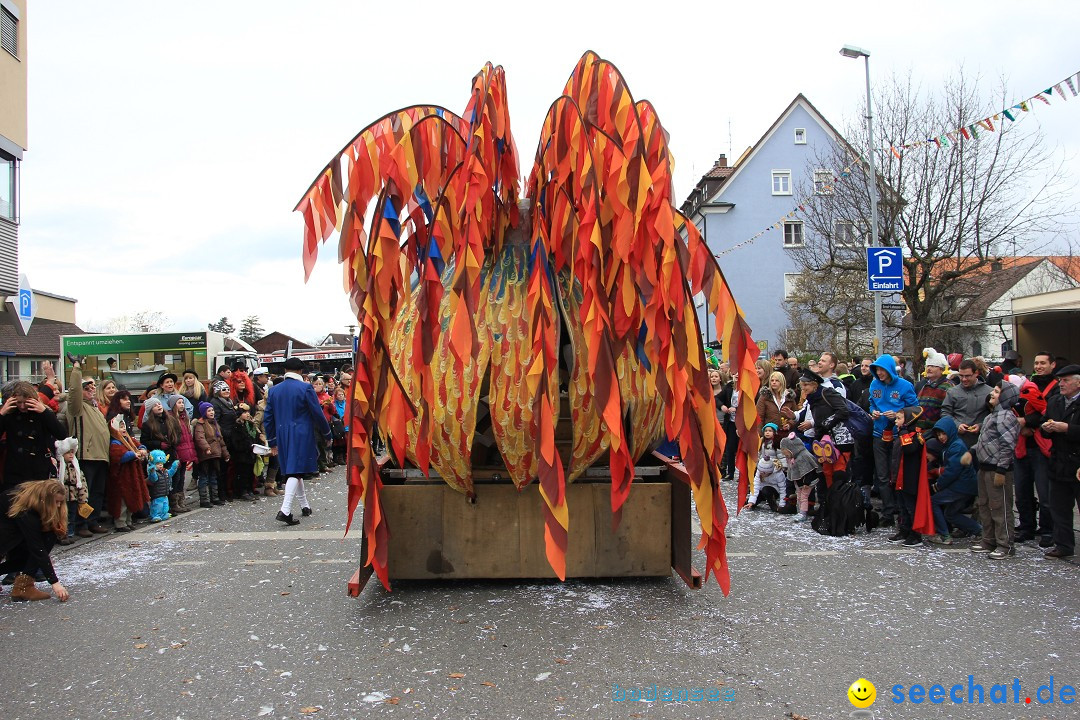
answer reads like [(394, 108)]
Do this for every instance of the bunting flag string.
[(971, 131), (947, 139)]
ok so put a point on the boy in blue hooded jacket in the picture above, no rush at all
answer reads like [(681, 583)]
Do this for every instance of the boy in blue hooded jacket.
[(889, 394), (957, 486)]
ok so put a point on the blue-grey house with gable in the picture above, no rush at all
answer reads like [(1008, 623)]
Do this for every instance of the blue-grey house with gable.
[(732, 204)]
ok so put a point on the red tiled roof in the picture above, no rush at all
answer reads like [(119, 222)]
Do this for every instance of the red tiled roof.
[(720, 171)]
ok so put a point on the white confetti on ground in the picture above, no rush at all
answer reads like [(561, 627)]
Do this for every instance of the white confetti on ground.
[(108, 563)]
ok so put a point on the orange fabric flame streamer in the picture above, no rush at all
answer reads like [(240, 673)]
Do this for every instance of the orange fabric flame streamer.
[(446, 280)]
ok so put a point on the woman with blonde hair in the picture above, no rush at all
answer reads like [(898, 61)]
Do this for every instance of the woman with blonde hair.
[(35, 521), (193, 391), (764, 368), (105, 393), (772, 401)]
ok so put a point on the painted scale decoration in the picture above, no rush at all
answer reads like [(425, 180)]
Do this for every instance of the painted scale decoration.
[(451, 284)]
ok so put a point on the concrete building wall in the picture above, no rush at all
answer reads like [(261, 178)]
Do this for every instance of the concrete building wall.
[(53, 307)]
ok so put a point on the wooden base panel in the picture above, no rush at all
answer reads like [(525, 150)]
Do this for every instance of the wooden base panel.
[(436, 533)]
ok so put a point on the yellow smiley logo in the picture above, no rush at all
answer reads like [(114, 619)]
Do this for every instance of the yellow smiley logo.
[(862, 693)]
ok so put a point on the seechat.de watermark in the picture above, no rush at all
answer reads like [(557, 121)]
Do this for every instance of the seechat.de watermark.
[(976, 693), (661, 693)]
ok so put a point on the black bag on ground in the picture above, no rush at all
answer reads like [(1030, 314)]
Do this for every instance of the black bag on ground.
[(842, 512)]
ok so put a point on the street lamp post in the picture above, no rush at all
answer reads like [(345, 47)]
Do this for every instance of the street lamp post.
[(850, 51)]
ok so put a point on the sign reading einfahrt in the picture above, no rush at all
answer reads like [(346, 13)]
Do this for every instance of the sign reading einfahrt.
[(884, 269)]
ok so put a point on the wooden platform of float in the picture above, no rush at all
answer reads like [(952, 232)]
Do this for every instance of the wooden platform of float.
[(436, 533)]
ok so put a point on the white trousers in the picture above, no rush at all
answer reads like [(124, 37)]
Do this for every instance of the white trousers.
[(777, 480), (294, 490)]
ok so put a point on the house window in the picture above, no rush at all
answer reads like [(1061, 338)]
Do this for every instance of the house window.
[(9, 32), (823, 182), (791, 282), (9, 176), (12, 370), (845, 233), (976, 348), (793, 234), (781, 182), (800, 136), (37, 369)]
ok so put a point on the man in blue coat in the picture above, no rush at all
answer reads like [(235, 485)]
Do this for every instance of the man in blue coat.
[(294, 421)]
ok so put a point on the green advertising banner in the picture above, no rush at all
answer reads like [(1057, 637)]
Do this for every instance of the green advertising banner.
[(143, 342)]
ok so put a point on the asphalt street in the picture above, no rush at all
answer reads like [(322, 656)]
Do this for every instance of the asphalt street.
[(228, 613)]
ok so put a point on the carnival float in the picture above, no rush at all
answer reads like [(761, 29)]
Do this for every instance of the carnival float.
[(522, 355)]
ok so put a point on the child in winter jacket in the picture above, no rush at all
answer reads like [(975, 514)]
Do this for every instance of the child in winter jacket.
[(69, 473), (245, 434), (185, 452), (211, 450), (803, 470), (994, 454), (159, 480), (956, 486), (770, 468)]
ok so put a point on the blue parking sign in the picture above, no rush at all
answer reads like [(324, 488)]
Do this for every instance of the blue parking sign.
[(26, 303), (884, 269)]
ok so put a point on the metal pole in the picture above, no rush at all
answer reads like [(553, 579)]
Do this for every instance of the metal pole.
[(878, 346)]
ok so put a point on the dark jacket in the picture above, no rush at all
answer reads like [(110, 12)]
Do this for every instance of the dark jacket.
[(954, 474), (161, 434), (30, 438), (860, 390), (830, 412), (25, 529), (225, 415), (1065, 447), (240, 443), (1048, 388)]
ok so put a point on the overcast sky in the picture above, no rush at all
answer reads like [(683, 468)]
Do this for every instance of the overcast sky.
[(170, 142)]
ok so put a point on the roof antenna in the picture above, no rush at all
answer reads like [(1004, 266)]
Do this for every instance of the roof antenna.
[(729, 137)]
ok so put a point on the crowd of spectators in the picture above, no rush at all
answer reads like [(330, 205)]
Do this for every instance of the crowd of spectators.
[(965, 450), (119, 460)]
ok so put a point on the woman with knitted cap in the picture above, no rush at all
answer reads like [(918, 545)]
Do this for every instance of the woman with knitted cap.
[(803, 470), (931, 390), (185, 451)]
